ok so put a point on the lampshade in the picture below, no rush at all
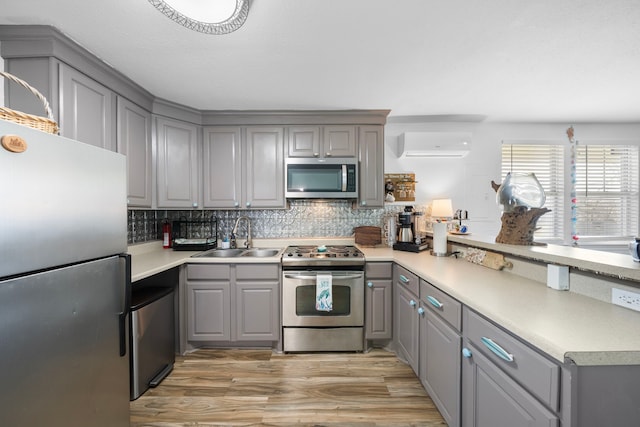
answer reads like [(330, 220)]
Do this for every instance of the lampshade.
[(441, 208)]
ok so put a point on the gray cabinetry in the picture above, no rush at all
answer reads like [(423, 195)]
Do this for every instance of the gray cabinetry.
[(257, 305), (208, 311), (322, 141), (264, 171), (505, 382), (378, 301), (88, 109), (134, 141), (222, 167), (440, 346), (406, 322), (229, 303), (303, 141), (371, 157), (244, 167), (178, 176)]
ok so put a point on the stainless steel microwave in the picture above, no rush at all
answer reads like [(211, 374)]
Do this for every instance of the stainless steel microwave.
[(312, 178)]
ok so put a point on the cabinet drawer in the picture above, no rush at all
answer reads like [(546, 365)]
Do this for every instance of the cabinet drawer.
[(208, 272), (532, 370), (257, 271), (378, 270), (406, 279), (439, 302)]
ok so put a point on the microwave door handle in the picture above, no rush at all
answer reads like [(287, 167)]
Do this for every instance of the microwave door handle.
[(344, 178)]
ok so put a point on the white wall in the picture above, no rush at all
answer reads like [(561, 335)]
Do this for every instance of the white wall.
[(467, 181)]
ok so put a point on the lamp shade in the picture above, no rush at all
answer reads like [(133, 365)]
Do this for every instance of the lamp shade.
[(441, 208)]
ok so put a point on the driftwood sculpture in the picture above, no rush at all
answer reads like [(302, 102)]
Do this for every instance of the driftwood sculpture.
[(519, 225)]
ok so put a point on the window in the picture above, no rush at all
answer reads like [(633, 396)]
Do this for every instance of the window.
[(607, 181)]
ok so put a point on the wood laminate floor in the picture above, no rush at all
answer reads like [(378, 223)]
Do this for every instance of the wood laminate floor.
[(262, 388)]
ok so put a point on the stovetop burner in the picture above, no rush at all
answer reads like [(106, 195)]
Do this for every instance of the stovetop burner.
[(322, 255)]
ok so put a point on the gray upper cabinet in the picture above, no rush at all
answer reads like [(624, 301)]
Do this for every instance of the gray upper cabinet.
[(303, 141), (371, 157), (322, 141), (244, 167), (222, 168), (264, 167), (339, 141), (87, 112), (134, 141), (178, 181)]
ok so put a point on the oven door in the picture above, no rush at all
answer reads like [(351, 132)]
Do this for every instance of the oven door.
[(299, 299)]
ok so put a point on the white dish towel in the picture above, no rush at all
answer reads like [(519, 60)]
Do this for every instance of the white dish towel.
[(324, 297)]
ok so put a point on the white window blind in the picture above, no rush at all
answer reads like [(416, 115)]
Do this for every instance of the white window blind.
[(607, 190), (546, 161), (607, 187)]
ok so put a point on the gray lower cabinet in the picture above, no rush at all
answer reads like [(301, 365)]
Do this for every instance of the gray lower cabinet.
[(378, 301), (243, 167), (504, 381), (440, 346), (232, 303), (134, 141), (178, 159), (371, 157), (406, 321)]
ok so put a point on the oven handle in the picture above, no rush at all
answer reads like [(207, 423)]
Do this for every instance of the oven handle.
[(313, 276)]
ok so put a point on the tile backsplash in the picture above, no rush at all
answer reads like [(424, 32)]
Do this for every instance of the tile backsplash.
[(304, 218)]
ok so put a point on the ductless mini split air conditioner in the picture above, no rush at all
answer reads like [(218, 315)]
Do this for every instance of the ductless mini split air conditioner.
[(434, 144)]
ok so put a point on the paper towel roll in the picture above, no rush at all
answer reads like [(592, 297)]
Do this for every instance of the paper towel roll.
[(439, 238)]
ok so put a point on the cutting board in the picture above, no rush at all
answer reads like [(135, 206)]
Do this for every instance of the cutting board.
[(367, 235), (488, 259)]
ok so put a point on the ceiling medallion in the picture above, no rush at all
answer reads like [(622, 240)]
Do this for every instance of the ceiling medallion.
[(227, 26)]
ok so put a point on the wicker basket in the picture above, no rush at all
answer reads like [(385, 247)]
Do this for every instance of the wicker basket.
[(45, 124)]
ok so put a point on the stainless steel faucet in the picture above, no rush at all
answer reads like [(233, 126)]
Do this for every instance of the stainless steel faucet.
[(247, 243)]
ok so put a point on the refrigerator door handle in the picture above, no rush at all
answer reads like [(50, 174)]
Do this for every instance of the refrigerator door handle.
[(123, 316)]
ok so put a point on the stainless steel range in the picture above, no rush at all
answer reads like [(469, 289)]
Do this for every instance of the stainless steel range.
[(323, 298)]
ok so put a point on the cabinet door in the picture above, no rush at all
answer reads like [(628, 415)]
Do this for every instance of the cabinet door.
[(177, 157), (406, 324), (378, 306), (339, 141), (440, 347), (134, 141), (264, 168), (371, 157), (303, 141), (87, 112), (257, 311), (208, 311), (490, 398), (222, 167)]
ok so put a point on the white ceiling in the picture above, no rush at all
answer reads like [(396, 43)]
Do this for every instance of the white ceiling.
[(511, 60)]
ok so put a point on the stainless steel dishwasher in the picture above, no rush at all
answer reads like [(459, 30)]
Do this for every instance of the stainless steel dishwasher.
[(152, 337)]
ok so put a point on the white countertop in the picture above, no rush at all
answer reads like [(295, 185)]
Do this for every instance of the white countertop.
[(561, 324)]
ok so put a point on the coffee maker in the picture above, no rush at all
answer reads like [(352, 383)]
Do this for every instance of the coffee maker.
[(409, 237)]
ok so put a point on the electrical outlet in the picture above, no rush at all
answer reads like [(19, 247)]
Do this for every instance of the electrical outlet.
[(625, 299)]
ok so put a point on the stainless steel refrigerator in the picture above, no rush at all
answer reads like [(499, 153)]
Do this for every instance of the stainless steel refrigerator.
[(64, 282)]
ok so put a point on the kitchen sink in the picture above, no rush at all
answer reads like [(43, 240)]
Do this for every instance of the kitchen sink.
[(261, 252), (234, 253), (220, 253)]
